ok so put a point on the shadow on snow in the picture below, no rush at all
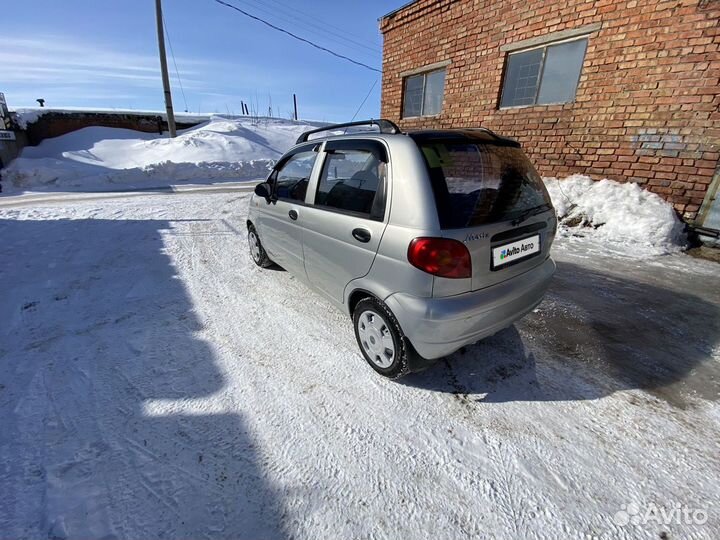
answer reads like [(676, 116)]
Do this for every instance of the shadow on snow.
[(96, 326)]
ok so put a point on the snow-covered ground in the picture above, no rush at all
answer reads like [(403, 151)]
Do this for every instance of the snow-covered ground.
[(155, 383)]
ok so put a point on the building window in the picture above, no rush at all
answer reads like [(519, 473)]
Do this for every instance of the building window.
[(545, 75), (423, 93)]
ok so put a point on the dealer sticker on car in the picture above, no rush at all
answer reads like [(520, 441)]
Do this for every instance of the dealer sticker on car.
[(514, 251)]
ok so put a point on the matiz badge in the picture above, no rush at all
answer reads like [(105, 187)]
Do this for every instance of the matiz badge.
[(475, 236)]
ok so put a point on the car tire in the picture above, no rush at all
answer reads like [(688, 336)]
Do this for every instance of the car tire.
[(380, 338), (257, 251)]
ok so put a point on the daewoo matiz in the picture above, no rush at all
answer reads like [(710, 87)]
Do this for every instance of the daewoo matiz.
[(430, 240)]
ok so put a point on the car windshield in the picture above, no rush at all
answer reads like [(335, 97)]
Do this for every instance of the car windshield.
[(477, 183)]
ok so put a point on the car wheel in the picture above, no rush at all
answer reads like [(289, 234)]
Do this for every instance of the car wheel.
[(380, 338), (257, 252)]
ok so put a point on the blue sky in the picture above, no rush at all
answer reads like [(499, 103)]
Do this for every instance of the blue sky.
[(103, 53)]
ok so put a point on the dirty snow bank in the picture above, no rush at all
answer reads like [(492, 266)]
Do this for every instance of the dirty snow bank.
[(93, 157), (621, 214), (29, 115)]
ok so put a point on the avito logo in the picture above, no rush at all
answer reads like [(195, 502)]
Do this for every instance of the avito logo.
[(515, 250)]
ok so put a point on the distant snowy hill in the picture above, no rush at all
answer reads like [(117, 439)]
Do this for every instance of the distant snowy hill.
[(93, 157)]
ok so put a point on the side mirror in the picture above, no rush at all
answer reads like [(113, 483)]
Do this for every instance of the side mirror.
[(263, 190)]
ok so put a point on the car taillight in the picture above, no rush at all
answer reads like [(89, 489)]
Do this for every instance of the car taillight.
[(441, 257)]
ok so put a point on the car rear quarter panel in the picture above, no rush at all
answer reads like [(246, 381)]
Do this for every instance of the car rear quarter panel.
[(391, 272)]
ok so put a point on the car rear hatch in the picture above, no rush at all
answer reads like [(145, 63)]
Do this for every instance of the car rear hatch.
[(490, 198)]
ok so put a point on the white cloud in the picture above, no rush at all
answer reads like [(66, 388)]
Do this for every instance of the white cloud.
[(69, 71), (55, 59), (51, 66)]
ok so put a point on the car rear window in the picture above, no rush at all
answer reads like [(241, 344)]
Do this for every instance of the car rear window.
[(477, 183)]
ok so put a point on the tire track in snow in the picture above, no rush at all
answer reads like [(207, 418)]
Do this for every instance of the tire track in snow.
[(364, 441), (345, 452)]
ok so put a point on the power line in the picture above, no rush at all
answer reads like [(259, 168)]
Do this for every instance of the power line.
[(172, 53), (297, 37), (310, 33), (327, 33), (303, 15), (364, 100)]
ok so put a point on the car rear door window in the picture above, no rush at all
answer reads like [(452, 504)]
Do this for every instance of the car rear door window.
[(353, 181)]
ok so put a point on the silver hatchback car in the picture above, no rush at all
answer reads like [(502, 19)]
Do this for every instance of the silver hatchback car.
[(430, 240)]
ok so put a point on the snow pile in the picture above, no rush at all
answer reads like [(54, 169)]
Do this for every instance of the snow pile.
[(619, 213), (93, 157), (23, 117)]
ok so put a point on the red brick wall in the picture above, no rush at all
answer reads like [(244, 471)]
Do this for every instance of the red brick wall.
[(647, 106)]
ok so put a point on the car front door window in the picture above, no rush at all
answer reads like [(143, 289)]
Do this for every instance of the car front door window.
[(291, 180)]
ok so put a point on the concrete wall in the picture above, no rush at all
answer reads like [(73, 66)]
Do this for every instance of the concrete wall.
[(647, 105)]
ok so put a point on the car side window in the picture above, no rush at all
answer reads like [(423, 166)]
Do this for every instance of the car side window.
[(353, 181), (290, 181)]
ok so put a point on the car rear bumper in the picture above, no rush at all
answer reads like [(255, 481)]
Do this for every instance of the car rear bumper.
[(437, 327)]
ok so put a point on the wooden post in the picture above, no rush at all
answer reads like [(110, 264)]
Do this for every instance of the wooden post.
[(164, 70)]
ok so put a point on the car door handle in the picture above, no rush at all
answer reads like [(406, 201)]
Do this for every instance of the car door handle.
[(293, 215), (361, 235)]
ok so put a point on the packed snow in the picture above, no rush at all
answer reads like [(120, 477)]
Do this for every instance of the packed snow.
[(618, 214), (154, 383), (95, 158)]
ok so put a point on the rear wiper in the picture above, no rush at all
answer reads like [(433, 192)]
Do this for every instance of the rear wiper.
[(529, 213)]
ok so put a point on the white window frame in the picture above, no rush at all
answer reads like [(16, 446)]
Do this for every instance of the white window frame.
[(424, 71), (544, 46)]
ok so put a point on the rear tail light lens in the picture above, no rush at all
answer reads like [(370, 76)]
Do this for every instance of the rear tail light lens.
[(442, 257)]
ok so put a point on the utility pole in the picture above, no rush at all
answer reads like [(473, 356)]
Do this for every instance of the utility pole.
[(295, 104), (164, 70)]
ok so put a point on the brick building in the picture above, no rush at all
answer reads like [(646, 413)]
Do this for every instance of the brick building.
[(627, 90)]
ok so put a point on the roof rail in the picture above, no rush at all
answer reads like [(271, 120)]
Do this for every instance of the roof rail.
[(492, 134), (386, 126), (489, 132)]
